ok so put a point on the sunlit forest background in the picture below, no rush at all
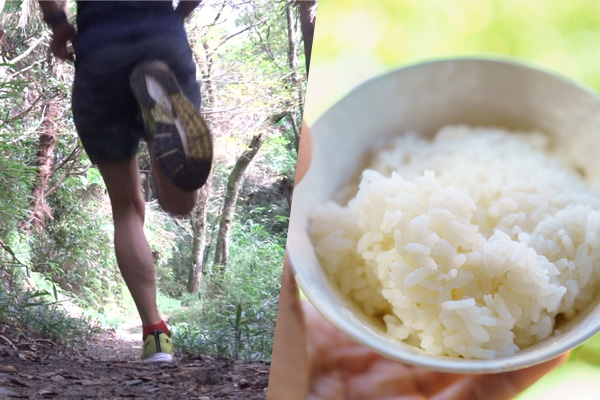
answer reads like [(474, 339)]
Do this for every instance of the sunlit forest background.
[(356, 40), (219, 270)]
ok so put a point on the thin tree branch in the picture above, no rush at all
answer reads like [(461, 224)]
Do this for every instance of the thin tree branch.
[(72, 156), (26, 52), (19, 72), (11, 252), (24, 112), (217, 17), (262, 43), (296, 130), (224, 40), (14, 47), (224, 110), (67, 174)]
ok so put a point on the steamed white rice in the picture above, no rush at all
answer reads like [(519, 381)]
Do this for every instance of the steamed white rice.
[(469, 245)]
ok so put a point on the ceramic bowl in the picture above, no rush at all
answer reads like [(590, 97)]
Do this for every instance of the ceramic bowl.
[(423, 98)]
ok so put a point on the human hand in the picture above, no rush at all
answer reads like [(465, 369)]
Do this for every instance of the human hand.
[(62, 35), (313, 360), (342, 369)]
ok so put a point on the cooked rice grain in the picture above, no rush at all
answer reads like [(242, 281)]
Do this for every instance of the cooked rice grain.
[(467, 246)]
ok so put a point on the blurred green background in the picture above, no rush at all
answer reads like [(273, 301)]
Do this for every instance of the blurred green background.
[(356, 40)]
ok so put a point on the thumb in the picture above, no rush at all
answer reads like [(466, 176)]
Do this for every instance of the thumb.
[(304, 153)]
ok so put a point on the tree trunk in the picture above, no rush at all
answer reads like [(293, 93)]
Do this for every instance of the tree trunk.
[(199, 245), (44, 162), (234, 184), (296, 82), (47, 144), (296, 129), (308, 16), (147, 184), (205, 60)]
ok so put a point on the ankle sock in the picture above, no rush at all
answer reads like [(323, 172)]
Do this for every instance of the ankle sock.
[(161, 326)]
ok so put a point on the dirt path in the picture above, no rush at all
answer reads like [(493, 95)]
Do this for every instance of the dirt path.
[(109, 369)]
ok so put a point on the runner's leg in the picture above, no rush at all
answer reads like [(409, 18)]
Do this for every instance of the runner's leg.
[(134, 257)]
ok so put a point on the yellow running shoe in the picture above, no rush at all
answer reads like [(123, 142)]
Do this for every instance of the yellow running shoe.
[(177, 133), (158, 347)]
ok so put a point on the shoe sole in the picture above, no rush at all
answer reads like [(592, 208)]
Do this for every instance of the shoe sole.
[(159, 357), (181, 142)]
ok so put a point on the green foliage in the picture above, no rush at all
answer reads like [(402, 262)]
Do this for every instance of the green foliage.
[(170, 241), (589, 352), (234, 316), (15, 177), (76, 250), (37, 312), (276, 153), (560, 35)]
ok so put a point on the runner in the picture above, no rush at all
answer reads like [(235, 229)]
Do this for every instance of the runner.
[(135, 78)]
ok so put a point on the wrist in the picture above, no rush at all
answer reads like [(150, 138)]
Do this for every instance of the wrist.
[(56, 18)]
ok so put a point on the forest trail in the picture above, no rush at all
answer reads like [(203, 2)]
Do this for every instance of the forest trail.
[(109, 368)]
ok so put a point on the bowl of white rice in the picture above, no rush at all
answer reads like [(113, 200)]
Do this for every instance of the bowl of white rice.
[(450, 217)]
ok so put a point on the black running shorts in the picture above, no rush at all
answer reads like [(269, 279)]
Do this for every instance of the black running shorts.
[(106, 114)]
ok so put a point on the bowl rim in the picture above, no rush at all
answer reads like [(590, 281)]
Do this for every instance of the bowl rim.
[(495, 58), (446, 363)]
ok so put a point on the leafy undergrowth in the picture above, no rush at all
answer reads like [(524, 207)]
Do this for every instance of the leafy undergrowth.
[(37, 314), (234, 314)]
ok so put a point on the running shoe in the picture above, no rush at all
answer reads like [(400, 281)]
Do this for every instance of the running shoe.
[(177, 133), (158, 347)]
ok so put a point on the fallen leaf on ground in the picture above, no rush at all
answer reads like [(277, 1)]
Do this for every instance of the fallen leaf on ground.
[(9, 369), (57, 378), (6, 392), (86, 382), (48, 392), (19, 382)]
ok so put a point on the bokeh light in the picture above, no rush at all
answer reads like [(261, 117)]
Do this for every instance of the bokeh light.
[(356, 40)]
